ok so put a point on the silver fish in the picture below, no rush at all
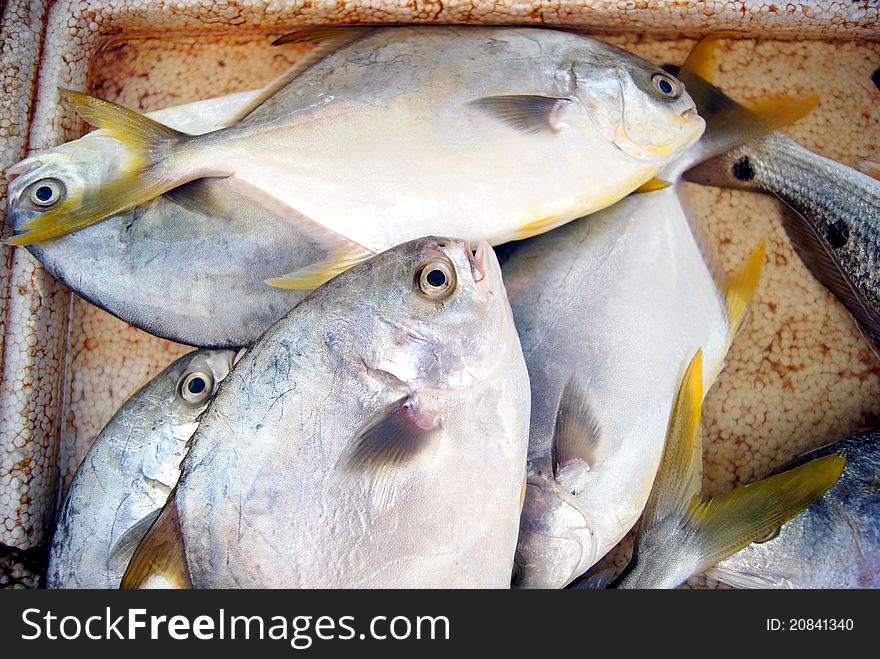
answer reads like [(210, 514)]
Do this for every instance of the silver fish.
[(208, 246), (374, 437), (609, 310), (129, 472), (835, 543), (478, 132), (832, 219), (680, 534)]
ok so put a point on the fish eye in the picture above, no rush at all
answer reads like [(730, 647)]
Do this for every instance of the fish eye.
[(47, 192), (196, 387), (436, 279), (666, 85)]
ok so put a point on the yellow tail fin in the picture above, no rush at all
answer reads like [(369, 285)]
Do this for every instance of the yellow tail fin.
[(147, 142)]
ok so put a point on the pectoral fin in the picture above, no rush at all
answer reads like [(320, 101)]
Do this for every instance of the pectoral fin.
[(387, 445), (392, 439), (526, 113), (578, 444), (159, 560)]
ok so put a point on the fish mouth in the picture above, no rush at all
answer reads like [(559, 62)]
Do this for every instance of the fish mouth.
[(477, 259)]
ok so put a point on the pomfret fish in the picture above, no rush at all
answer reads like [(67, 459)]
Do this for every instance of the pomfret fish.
[(833, 215), (483, 133), (129, 472), (835, 543), (609, 309), (373, 437), (680, 534), (210, 265)]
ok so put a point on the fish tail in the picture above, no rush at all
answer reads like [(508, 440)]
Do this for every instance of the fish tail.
[(147, 143), (679, 527), (728, 123), (726, 524)]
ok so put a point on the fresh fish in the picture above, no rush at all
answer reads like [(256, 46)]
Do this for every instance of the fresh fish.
[(609, 309), (374, 437), (835, 543), (680, 534), (129, 472), (833, 215), (480, 132), (208, 253)]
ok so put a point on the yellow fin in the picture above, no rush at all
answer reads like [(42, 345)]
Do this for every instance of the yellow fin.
[(159, 560), (678, 483), (317, 274), (145, 139), (702, 60), (536, 228), (653, 184), (679, 534), (740, 288), (870, 168), (734, 520)]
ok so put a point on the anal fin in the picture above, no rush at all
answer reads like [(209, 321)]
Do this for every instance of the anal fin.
[(739, 289), (159, 560)]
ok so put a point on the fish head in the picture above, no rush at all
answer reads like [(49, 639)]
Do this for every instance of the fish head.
[(446, 322), (186, 387), (41, 182), (555, 539), (643, 110)]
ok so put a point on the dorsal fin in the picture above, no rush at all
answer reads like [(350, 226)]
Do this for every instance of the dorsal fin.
[(326, 40)]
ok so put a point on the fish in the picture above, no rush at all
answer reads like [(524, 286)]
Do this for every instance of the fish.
[(209, 252), (835, 543), (129, 471), (832, 213), (373, 437), (484, 133), (681, 534), (609, 310)]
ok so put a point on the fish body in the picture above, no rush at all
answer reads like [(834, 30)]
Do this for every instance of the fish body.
[(608, 309), (835, 223), (478, 132), (373, 437), (835, 543), (129, 472)]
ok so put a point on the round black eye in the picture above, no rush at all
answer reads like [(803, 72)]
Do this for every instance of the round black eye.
[(47, 192), (666, 85), (436, 279), (195, 387)]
